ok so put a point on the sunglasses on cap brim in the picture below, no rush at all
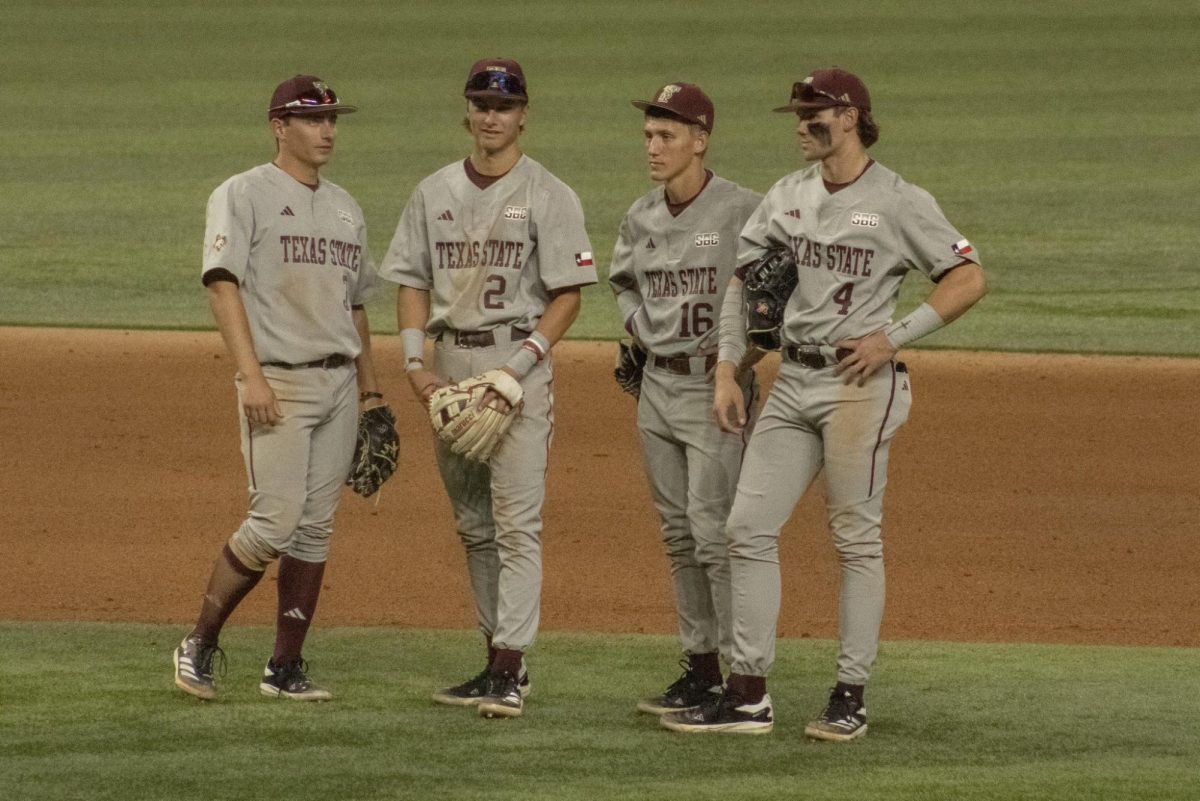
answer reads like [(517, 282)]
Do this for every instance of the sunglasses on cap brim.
[(503, 82), (312, 99), (806, 93)]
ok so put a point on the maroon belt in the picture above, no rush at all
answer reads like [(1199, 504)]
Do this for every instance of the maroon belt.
[(336, 360), (812, 357), (481, 339), (682, 365)]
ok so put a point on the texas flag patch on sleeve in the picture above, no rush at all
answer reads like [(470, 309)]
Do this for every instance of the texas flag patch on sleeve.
[(961, 248), (584, 259)]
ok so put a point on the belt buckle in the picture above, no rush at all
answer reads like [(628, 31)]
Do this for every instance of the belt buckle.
[(810, 356), (474, 339)]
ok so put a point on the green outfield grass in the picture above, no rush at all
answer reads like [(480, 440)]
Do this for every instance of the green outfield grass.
[(89, 711), (1061, 136)]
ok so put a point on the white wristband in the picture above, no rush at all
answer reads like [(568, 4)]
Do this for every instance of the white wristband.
[(533, 349), (413, 340), (538, 343), (522, 362), (921, 321)]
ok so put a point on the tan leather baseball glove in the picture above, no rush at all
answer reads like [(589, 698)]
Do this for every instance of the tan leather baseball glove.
[(460, 418)]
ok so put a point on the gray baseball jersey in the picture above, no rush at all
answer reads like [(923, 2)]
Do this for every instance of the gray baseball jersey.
[(301, 261), (853, 247), (300, 257), (669, 274), (489, 259)]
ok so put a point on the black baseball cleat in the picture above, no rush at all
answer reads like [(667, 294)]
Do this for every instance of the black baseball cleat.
[(290, 680), (843, 720), (194, 667), (688, 692), (730, 713), (472, 690), (502, 698)]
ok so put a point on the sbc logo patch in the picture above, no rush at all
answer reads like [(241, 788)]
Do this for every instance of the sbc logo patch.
[(708, 240), (516, 212), (865, 219)]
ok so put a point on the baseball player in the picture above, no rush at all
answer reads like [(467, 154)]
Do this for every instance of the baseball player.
[(675, 253), (490, 254), (855, 229), (287, 270)]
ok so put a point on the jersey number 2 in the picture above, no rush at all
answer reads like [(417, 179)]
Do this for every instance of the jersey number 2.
[(494, 297)]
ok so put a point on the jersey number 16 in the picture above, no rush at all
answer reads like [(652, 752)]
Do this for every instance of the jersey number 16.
[(695, 319)]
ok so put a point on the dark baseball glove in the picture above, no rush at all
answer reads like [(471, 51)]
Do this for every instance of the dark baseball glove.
[(376, 451), (631, 362), (767, 285)]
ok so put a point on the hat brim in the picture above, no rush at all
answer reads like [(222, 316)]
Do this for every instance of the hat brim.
[(801, 105), (495, 93), (645, 104), (304, 111)]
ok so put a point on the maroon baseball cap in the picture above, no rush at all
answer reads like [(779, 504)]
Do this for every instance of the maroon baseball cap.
[(305, 94), (684, 100), (827, 89), (496, 77)]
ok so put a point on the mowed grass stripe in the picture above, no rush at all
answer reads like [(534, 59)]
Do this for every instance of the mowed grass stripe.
[(89, 711), (1056, 136)]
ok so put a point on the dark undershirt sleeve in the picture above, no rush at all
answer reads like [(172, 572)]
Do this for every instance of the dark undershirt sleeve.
[(219, 274)]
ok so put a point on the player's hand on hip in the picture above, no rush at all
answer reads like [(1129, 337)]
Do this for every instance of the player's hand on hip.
[(867, 354), (424, 382), (729, 405), (259, 401)]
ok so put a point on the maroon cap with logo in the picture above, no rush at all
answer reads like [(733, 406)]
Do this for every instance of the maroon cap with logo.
[(684, 100), (827, 89), (496, 77), (305, 94)]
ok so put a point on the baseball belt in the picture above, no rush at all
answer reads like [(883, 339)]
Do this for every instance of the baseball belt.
[(336, 360), (685, 365), (482, 339), (815, 357)]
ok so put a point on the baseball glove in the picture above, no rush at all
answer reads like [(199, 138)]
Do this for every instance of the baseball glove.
[(631, 362), (468, 427), (768, 284), (375, 452)]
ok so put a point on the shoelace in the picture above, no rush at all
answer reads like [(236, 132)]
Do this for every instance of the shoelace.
[(841, 706), (204, 660), (294, 672), (687, 680)]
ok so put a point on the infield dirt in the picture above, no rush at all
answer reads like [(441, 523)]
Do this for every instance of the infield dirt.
[(1031, 498)]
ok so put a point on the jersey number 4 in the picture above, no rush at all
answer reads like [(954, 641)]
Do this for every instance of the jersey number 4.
[(843, 298), (695, 319)]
